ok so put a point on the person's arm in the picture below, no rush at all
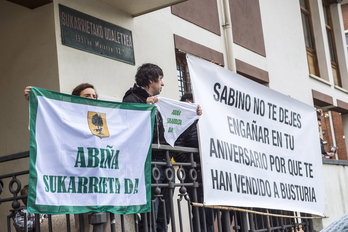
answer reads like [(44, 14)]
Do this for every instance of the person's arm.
[(331, 154)]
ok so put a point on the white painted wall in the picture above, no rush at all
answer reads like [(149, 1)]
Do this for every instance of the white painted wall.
[(153, 42), (285, 49), (28, 57), (336, 188), (110, 77)]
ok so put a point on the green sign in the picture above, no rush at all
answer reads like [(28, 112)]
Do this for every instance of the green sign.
[(90, 34)]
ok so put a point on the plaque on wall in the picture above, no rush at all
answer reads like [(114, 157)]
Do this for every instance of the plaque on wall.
[(90, 34)]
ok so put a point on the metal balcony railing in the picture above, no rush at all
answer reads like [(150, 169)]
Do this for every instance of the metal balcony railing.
[(175, 186)]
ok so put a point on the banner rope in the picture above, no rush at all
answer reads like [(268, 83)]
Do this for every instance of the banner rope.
[(250, 211)]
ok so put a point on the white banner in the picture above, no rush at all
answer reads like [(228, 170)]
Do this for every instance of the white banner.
[(177, 117), (88, 155), (259, 148)]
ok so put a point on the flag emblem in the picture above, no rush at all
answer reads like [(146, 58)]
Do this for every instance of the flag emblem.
[(97, 124)]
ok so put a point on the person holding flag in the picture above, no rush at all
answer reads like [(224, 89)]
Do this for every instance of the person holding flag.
[(190, 139), (149, 84), (82, 90)]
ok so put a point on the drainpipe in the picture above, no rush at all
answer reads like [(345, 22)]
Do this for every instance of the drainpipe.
[(227, 26), (333, 133)]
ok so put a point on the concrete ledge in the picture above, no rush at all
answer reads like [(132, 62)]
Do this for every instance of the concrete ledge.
[(335, 162)]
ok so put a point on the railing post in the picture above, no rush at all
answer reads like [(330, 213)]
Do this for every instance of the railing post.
[(226, 222), (97, 220), (113, 223), (244, 223), (251, 222), (170, 178)]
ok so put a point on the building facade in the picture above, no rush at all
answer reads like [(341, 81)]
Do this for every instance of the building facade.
[(298, 48)]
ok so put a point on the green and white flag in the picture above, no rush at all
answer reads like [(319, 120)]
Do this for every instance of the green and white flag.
[(177, 117), (88, 155)]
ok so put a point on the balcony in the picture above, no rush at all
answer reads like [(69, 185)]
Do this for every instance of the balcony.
[(188, 214)]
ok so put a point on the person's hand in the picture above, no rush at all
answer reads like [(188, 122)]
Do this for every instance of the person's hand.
[(199, 110), (151, 100), (26, 92), (331, 154)]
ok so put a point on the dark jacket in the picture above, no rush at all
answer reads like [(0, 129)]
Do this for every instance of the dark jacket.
[(137, 94), (323, 152), (189, 138)]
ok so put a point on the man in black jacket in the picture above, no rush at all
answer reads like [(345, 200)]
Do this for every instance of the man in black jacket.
[(148, 84), (190, 139)]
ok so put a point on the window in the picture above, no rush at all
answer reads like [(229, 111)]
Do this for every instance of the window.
[(184, 82), (309, 38), (331, 41), (183, 74)]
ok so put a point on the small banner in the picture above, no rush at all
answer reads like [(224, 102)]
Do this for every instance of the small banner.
[(259, 148), (177, 117), (88, 155)]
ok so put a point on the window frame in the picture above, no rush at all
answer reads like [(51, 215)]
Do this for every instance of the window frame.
[(331, 43), (310, 44), (183, 75)]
